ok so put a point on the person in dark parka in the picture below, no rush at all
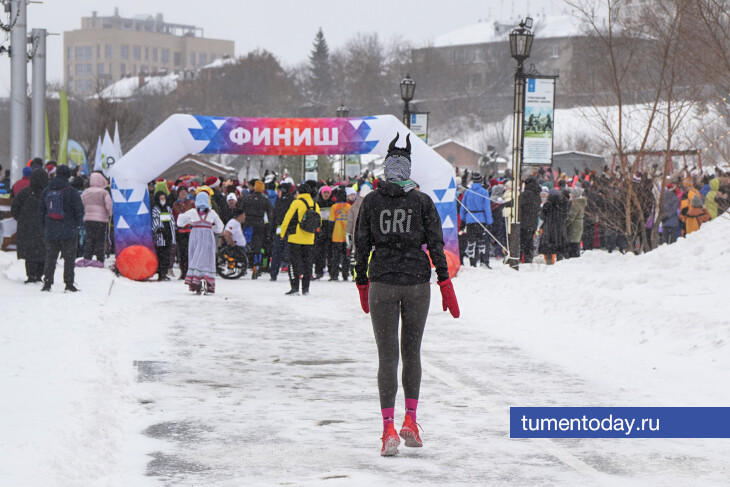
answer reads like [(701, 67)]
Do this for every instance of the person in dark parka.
[(554, 239), (61, 234), (31, 243), (529, 211)]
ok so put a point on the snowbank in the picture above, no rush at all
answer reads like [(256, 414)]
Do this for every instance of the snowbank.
[(249, 387)]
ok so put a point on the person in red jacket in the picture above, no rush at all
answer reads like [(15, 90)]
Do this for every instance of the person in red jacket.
[(397, 221), (22, 183)]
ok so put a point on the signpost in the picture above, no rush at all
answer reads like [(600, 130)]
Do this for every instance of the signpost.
[(419, 125), (539, 118)]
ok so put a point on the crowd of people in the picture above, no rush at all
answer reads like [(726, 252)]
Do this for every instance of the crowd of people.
[(191, 218), (563, 215)]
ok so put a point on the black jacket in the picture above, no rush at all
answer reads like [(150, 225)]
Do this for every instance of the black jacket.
[(30, 240), (257, 205), (73, 211), (554, 238), (397, 224), (530, 206), (281, 207)]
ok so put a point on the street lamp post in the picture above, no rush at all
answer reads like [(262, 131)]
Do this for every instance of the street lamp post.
[(520, 43), (407, 89), (342, 112)]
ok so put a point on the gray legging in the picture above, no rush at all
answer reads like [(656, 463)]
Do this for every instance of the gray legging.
[(388, 304)]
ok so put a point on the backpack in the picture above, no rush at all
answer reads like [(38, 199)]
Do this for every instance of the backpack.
[(696, 202), (54, 204), (311, 220)]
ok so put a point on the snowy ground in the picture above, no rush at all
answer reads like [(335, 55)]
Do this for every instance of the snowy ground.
[(132, 383)]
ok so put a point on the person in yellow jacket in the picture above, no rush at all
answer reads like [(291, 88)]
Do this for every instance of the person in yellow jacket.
[(301, 242), (710, 202)]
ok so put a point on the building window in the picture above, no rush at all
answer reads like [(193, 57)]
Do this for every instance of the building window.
[(84, 85), (134, 70), (98, 51), (108, 51), (84, 69), (143, 69), (154, 54), (556, 50), (212, 58), (192, 59), (122, 69), (203, 59), (146, 53), (100, 69), (137, 53), (165, 55), (178, 59), (70, 53), (84, 53), (125, 52)]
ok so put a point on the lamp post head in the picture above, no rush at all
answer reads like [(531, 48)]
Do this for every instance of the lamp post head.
[(520, 41), (407, 88), (342, 111)]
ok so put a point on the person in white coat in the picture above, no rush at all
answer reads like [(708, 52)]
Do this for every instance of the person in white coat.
[(202, 246)]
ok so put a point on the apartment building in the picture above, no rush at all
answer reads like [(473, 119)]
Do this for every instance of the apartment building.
[(107, 49)]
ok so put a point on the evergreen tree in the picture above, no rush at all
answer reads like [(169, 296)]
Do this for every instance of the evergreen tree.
[(320, 72)]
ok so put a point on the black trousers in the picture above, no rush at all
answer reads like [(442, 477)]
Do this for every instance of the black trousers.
[(95, 240), (323, 251), (669, 235), (526, 244), (476, 244), (340, 261), (163, 259), (280, 255), (67, 249), (301, 265), (388, 305), (183, 238), (34, 269), (573, 250), (256, 244)]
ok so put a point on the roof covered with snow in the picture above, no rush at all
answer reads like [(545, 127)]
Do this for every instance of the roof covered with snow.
[(487, 31), (128, 87)]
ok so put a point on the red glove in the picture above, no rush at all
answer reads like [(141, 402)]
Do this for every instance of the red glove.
[(363, 289), (448, 298)]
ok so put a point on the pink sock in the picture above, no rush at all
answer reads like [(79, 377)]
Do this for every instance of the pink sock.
[(411, 405), (388, 416)]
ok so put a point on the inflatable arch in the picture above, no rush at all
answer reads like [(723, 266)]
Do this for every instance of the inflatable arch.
[(181, 135)]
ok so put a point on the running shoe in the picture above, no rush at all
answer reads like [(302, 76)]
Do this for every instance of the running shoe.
[(409, 432), (390, 441)]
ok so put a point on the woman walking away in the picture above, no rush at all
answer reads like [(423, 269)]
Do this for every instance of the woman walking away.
[(201, 247), (30, 241), (97, 210), (163, 231), (397, 222)]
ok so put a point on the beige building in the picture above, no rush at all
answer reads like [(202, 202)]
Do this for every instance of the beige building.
[(107, 49)]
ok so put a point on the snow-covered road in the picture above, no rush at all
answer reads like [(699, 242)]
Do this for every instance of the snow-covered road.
[(134, 383)]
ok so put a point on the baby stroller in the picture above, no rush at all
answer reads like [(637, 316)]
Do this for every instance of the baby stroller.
[(231, 262)]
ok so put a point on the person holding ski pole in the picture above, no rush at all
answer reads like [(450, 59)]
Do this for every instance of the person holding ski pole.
[(397, 221)]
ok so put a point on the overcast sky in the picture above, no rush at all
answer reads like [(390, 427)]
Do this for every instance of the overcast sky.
[(284, 27)]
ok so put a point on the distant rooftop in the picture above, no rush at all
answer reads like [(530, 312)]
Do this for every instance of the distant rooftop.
[(544, 27), (140, 23)]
